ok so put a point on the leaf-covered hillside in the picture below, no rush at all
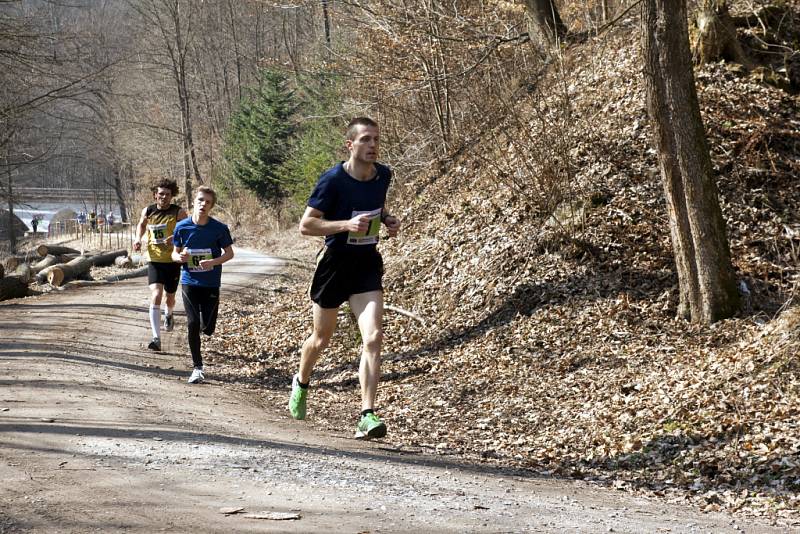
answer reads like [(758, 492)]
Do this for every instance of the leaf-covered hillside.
[(548, 339)]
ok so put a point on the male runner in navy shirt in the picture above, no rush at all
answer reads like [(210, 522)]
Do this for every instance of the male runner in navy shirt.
[(347, 207), (201, 244)]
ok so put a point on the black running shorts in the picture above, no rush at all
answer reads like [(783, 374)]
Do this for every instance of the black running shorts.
[(168, 274), (342, 273)]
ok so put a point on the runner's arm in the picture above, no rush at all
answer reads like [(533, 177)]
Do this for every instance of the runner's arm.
[(179, 217), (140, 229), (227, 254), (312, 224), (392, 223), (178, 255)]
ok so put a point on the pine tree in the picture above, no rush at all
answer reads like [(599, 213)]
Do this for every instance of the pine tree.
[(258, 136)]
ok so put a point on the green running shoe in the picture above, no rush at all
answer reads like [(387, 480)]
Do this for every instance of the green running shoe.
[(297, 402), (370, 427)]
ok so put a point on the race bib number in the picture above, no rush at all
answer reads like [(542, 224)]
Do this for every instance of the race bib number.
[(158, 233), (370, 236), (196, 255)]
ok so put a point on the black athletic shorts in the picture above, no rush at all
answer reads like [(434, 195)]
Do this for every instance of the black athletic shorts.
[(168, 274), (341, 273)]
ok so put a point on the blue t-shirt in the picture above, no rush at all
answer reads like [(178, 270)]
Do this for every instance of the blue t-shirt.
[(341, 197), (202, 242)]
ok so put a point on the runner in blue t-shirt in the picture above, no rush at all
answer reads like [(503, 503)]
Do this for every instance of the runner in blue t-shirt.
[(348, 207), (201, 244)]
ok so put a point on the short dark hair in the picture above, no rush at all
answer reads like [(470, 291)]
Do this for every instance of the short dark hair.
[(208, 191), (165, 183), (358, 121)]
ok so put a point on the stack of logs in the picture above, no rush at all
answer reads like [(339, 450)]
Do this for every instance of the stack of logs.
[(52, 264)]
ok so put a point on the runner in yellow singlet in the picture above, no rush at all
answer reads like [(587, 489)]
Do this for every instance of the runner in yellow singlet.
[(158, 222)]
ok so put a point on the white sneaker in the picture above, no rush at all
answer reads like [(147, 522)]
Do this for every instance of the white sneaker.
[(197, 376)]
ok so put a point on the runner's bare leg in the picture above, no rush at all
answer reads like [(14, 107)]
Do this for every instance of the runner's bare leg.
[(324, 326), (368, 309)]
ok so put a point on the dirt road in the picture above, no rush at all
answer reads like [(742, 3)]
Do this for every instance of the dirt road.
[(97, 434)]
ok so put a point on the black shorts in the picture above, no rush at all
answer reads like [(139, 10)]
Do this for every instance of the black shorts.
[(168, 274), (340, 274)]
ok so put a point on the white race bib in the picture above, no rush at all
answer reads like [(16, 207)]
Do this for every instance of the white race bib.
[(370, 236), (196, 255), (158, 233)]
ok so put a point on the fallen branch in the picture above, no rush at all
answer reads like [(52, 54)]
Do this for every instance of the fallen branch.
[(407, 313)]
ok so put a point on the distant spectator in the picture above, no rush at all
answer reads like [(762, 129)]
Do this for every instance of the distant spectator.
[(35, 223), (82, 218), (93, 220), (110, 219)]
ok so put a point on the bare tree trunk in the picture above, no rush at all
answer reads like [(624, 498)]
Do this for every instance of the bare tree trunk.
[(12, 230), (545, 24), (183, 90), (187, 173), (172, 27), (236, 51), (119, 192), (327, 21), (705, 275), (606, 8), (714, 36)]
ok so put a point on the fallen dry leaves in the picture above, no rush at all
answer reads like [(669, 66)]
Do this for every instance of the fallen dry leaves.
[(561, 354)]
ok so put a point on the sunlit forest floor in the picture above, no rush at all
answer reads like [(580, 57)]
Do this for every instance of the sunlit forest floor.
[(551, 344)]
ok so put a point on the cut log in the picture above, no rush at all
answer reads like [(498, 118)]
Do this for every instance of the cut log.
[(64, 272), (44, 263), (108, 258), (64, 258), (138, 260), (24, 273), (12, 262), (55, 250), (123, 261), (12, 287), (141, 271)]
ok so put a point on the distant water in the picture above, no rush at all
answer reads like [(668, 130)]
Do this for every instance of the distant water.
[(45, 211)]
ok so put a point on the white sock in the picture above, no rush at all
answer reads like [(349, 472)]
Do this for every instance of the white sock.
[(168, 310), (155, 320)]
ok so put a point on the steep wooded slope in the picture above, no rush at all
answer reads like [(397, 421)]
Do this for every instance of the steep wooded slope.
[(552, 345)]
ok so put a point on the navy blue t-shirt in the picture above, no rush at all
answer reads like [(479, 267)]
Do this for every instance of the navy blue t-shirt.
[(203, 242), (341, 197)]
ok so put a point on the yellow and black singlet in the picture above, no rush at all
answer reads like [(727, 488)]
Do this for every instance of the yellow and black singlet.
[(160, 227)]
